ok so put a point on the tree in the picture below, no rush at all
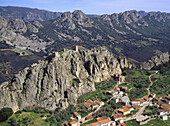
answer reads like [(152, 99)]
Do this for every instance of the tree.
[(5, 113)]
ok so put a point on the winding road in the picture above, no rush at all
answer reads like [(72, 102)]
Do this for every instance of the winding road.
[(139, 115), (151, 83)]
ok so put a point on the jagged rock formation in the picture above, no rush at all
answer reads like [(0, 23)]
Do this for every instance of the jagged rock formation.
[(124, 63), (155, 61), (60, 79), (15, 34)]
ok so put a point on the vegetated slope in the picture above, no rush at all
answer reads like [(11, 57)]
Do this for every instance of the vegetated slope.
[(29, 14)]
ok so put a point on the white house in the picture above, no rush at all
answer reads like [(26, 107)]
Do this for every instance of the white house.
[(135, 102), (138, 101), (116, 99), (121, 93), (124, 110), (73, 123), (153, 95), (100, 103), (114, 91), (164, 117), (77, 115), (162, 112), (167, 102), (118, 116), (126, 100), (113, 123)]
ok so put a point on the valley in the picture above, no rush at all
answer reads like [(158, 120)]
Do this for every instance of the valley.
[(77, 69)]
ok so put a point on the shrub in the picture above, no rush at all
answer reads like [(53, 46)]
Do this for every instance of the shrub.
[(5, 113)]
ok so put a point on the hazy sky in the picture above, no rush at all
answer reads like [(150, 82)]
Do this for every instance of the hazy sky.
[(92, 6)]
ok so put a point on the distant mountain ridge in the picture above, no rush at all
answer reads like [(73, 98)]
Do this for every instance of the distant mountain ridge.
[(124, 33), (134, 34), (29, 14)]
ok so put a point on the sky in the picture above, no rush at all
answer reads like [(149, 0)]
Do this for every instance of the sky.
[(92, 6)]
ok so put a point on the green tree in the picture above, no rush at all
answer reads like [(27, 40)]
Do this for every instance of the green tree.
[(5, 113)]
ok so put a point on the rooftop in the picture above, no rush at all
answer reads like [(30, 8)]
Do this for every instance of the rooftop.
[(100, 102), (118, 115), (139, 99), (89, 117), (73, 123), (136, 106), (89, 103), (145, 97), (76, 113), (124, 109), (104, 121), (101, 118), (95, 124)]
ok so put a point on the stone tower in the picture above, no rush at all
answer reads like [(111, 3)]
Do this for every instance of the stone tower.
[(77, 48), (57, 54)]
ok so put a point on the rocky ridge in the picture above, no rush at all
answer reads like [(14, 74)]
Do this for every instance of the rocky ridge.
[(155, 61), (14, 33), (60, 79), (29, 14)]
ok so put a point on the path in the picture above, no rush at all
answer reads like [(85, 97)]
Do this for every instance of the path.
[(151, 83), (7, 49), (139, 115)]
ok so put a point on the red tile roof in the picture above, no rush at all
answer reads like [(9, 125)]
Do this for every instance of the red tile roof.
[(124, 109), (89, 117), (123, 124), (95, 124), (118, 115), (76, 113), (72, 123), (89, 103), (101, 118), (136, 106), (104, 121)]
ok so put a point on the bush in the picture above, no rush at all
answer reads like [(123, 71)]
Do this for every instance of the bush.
[(5, 113)]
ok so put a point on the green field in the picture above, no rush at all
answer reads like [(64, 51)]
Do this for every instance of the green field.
[(154, 122)]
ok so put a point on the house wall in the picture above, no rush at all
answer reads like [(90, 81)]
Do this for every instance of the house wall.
[(106, 124)]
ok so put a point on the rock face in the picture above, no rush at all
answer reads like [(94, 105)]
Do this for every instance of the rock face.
[(124, 63), (155, 61), (29, 14), (15, 33), (60, 79)]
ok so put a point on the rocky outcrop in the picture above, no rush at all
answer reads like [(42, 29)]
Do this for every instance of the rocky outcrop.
[(29, 14), (155, 61), (16, 33), (70, 20), (60, 79), (124, 63)]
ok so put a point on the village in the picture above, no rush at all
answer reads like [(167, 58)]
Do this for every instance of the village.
[(141, 109)]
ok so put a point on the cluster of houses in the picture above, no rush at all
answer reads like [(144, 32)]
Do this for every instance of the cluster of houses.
[(91, 105), (163, 103), (119, 94), (143, 100), (102, 121)]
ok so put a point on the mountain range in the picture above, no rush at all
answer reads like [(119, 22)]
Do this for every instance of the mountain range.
[(138, 35)]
